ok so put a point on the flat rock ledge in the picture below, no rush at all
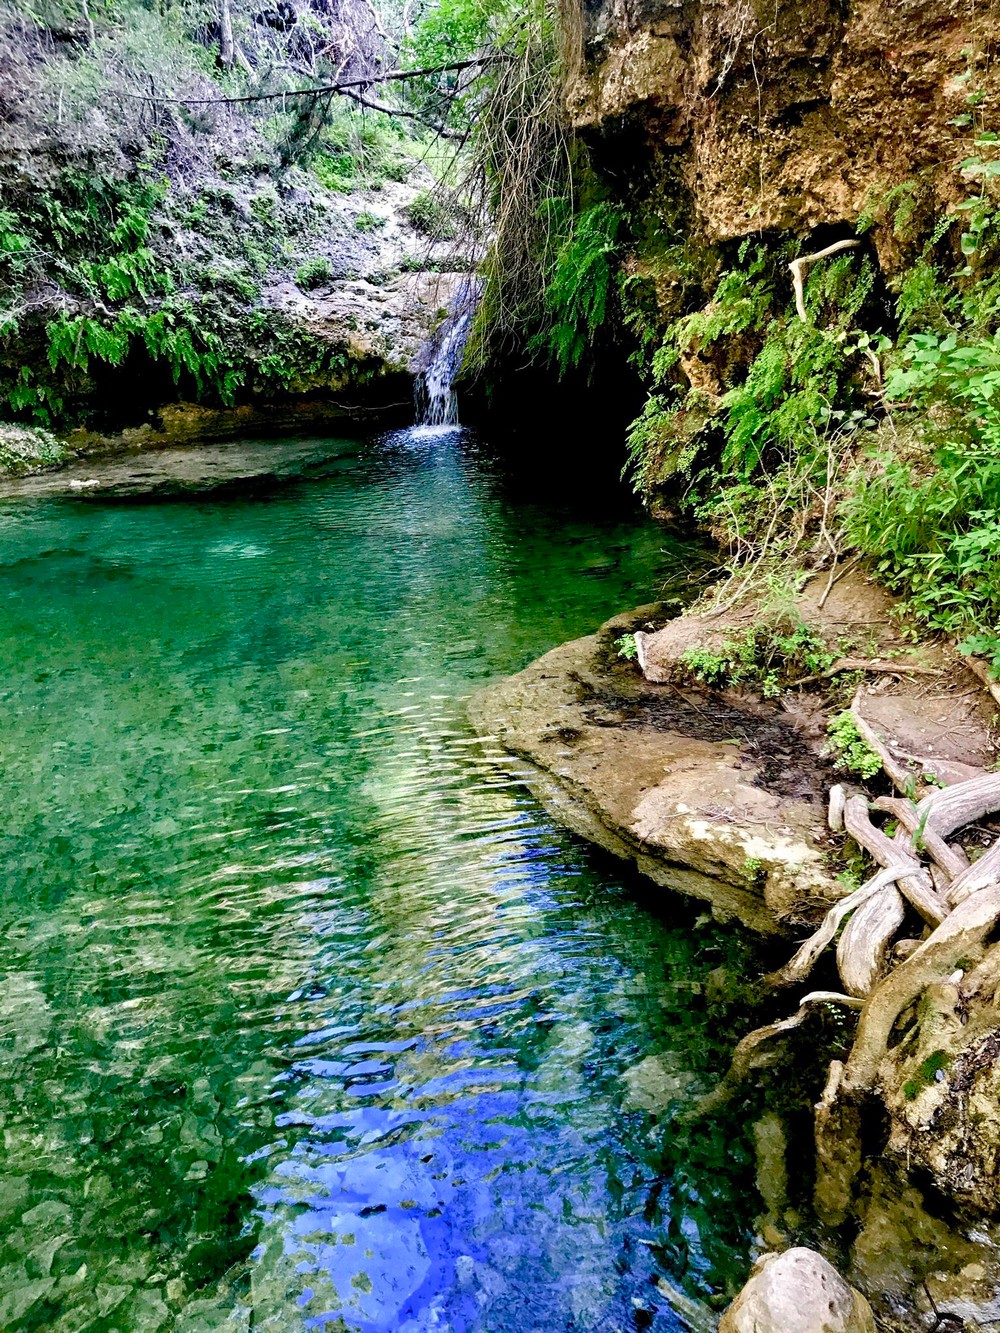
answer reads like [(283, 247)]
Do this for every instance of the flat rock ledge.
[(724, 801)]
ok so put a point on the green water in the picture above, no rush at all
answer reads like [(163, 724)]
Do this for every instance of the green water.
[(309, 1015)]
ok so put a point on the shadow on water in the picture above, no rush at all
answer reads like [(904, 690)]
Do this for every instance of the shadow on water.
[(310, 1017)]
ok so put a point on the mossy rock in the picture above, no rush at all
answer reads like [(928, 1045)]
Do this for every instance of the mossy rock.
[(26, 449)]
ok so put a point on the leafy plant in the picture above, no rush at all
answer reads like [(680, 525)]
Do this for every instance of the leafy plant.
[(849, 749), (315, 272), (580, 287)]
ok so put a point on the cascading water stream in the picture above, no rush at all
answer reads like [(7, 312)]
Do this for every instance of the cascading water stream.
[(436, 401)]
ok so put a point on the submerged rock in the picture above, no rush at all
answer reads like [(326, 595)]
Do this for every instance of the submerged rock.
[(797, 1292)]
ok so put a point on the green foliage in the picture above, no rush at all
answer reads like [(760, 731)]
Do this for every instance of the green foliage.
[(315, 272), (26, 449), (430, 214), (577, 297), (767, 658), (627, 647), (369, 221), (852, 754), (791, 383)]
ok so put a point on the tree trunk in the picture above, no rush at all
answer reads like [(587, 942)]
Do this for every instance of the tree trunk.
[(227, 47)]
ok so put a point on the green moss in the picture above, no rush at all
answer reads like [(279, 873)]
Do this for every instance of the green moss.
[(926, 1074)]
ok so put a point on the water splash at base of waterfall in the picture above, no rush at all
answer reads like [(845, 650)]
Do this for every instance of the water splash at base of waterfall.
[(435, 399)]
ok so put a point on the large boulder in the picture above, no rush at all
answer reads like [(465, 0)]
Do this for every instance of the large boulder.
[(797, 1292)]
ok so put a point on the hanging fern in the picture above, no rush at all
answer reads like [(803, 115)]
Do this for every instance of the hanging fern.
[(582, 282)]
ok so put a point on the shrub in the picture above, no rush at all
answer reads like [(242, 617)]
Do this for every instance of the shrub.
[(315, 272), (431, 216)]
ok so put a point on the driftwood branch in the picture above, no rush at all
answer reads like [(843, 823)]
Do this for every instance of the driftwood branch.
[(798, 267)]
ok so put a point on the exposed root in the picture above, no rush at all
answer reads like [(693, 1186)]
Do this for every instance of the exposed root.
[(875, 666), (982, 673), (798, 267), (861, 949), (916, 887), (901, 776), (802, 963), (978, 876), (951, 860), (751, 1052), (835, 812), (951, 808), (958, 937)]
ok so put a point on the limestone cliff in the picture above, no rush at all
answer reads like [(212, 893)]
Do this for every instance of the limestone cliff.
[(741, 117)]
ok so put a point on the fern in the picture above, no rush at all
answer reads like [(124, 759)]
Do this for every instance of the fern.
[(578, 292)]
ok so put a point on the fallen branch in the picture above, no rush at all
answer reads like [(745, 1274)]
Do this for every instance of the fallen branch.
[(395, 76), (798, 267), (441, 131), (869, 665)]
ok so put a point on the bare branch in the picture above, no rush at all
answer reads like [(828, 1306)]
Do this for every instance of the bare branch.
[(395, 76)]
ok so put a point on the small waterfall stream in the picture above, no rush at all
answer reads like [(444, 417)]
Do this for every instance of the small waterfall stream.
[(436, 401)]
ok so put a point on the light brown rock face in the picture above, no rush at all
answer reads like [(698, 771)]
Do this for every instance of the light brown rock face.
[(797, 1292), (718, 802), (786, 115)]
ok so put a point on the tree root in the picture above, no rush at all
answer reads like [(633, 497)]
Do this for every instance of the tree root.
[(861, 949), (749, 1055), (978, 876), (900, 775), (952, 860), (950, 808), (917, 887), (802, 963), (958, 937), (798, 267)]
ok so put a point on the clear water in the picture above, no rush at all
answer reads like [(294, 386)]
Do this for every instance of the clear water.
[(309, 1015)]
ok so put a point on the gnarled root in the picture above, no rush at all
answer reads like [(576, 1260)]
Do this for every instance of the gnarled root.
[(960, 936), (751, 1053), (802, 963)]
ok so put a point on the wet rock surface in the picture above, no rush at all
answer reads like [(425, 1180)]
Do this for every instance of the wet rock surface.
[(720, 801), (205, 470)]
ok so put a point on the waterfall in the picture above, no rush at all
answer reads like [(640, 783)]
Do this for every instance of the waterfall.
[(436, 402)]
